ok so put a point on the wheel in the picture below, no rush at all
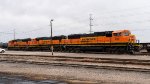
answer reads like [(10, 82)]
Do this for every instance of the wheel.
[(131, 52), (2, 51), (148, 50)]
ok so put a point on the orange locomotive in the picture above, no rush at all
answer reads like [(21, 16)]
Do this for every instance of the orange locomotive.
[(121, 41)]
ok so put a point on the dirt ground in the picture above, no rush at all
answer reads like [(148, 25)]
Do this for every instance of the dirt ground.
[(70, 74), (74, 75)]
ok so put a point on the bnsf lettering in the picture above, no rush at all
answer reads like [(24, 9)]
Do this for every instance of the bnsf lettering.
[(87, 39)]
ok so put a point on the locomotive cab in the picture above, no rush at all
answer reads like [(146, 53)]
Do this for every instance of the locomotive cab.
[(123, 36)]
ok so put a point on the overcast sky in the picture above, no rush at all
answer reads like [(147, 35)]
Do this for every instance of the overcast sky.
[(31, 18)]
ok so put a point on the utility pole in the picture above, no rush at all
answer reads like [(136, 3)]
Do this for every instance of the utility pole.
[(14, 34), (51, 35), (91, 23)]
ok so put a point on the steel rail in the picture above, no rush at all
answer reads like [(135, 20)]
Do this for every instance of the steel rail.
[(81, 66), (78, 59)]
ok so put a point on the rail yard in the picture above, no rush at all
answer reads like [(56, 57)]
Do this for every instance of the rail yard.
[(79, 67), (108, 57), (74, 42)]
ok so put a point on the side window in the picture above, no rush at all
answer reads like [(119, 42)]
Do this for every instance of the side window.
[(117, 34), (126, 33)]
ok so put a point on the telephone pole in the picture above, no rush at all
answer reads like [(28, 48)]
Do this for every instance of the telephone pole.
[(51, 35), (91, 23)]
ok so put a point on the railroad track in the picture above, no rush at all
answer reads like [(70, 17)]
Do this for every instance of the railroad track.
[(136, 53), (78, 59), (85, 62)]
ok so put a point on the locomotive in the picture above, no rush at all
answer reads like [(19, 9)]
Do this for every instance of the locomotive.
[(119, 41)]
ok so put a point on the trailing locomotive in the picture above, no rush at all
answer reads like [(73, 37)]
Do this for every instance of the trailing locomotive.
[(120, 41)]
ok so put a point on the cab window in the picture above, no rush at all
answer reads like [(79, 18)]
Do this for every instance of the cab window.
[(117, 34), (126, 33)]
